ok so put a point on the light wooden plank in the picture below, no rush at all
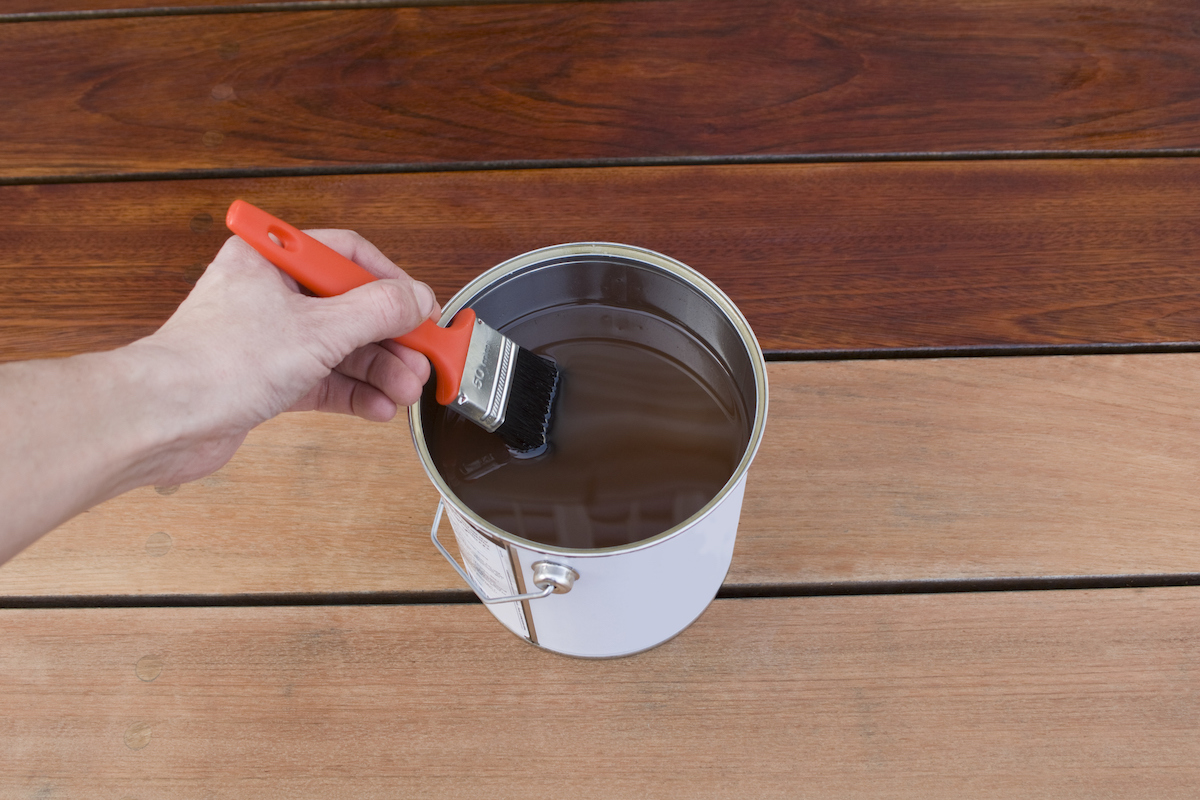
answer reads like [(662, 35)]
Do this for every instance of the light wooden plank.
[(819, 257), (311, 502), (594, 80), (1047, 694), (939, 469), (973, 468)]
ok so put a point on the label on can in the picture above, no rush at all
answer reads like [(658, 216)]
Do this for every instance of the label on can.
[(489, 564)]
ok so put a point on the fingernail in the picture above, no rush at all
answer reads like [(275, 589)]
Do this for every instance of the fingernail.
[(424, 297)]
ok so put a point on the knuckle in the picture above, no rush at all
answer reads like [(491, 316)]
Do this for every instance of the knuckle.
[(392, 303)]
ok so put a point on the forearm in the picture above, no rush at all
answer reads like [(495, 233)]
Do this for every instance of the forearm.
[(75, 432)]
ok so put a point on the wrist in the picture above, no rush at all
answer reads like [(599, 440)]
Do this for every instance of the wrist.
[(180, 432)]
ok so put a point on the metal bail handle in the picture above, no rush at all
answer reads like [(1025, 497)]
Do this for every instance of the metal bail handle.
[(548, 577)]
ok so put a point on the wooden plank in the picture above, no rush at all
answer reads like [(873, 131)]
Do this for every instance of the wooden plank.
[(1055, 694), (159, 7), (819, 257), (976, 468), (63, 7), (871, 471), (311, 503), (594, 80)]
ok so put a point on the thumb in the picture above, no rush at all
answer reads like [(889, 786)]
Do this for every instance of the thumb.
[(379, 310)]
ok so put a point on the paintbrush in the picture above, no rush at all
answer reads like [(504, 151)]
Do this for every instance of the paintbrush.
[(481, 373)]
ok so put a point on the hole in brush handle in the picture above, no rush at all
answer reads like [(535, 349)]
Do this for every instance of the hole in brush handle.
[(311, 263)]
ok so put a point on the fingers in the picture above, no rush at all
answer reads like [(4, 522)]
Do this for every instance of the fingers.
[(384, 370), (369, 257), (342, 333), (389, 307), (402, 310), (359, 250), (417, 363), (370, 383), (340, 394), (377, 311)]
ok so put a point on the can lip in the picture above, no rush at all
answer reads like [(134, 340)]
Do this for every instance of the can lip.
[(653, 259)]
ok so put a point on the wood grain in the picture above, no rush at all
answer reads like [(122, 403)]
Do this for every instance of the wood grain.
[(871, 471), (1047, 694), (819, 257), (874, 475), (620, 80), (160, 7)]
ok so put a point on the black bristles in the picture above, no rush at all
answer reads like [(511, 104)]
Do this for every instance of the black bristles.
[(530, 402)]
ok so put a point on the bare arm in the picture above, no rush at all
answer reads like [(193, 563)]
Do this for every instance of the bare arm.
[(244, 346)]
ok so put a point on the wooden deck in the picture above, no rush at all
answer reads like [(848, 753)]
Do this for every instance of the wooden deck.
[(965, 235)]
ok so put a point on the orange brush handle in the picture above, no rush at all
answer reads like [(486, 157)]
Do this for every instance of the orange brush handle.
[(326, 272)]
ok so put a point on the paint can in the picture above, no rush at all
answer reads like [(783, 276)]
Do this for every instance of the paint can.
[(602, 600)]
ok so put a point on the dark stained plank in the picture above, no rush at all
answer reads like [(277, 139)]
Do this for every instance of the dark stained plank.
[(13, 8), (159, 7), (870, 472), (840, 257), (595, 80), (1045, 694)]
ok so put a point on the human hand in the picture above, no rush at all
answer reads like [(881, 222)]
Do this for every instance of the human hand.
[(246, 345)]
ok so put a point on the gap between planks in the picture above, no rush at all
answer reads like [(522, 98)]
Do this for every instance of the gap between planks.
[(728, 592), (121, 10), (519, 165)]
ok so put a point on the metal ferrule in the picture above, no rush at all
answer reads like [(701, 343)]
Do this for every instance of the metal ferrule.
[(487, 377)]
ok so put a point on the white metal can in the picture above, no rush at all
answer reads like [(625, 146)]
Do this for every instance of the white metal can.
[(606, 601)]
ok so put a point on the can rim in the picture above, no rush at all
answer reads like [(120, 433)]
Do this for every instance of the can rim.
[(654, 259)]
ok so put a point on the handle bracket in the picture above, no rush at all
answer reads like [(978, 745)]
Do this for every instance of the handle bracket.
[(550, 578)]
